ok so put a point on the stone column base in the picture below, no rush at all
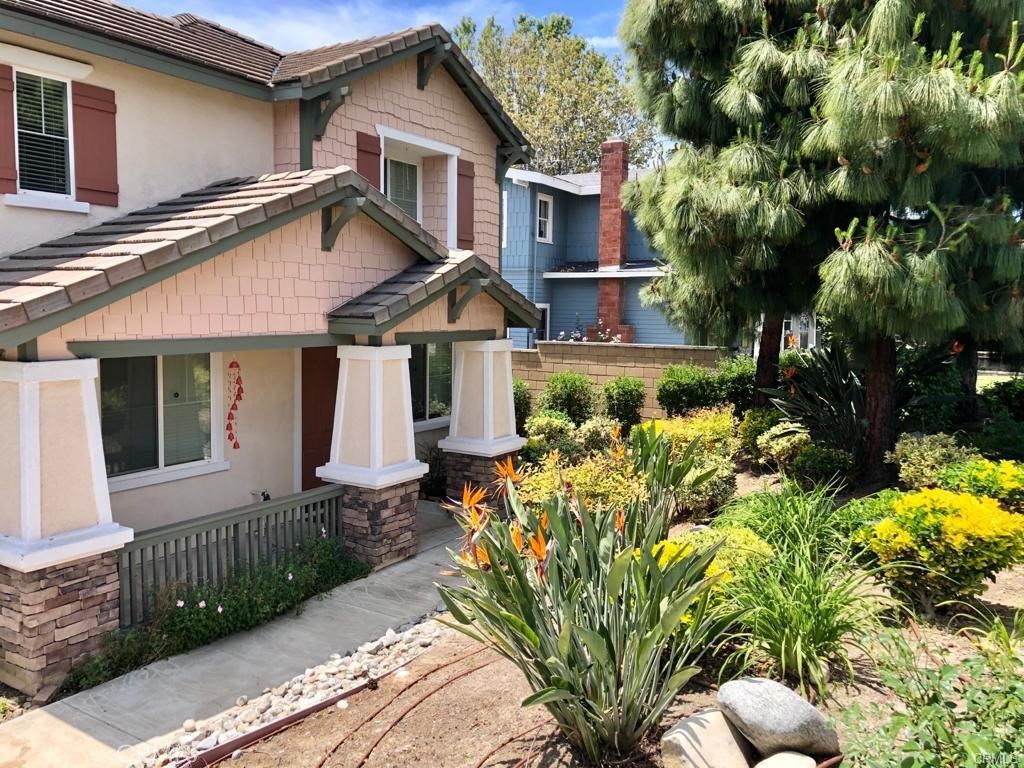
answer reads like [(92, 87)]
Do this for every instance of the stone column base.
[(52, 618), (379, 524), (478, 471)]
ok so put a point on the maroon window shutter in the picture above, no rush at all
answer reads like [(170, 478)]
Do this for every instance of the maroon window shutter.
[(8, 156), (464, 206), (368, 157), (93, 113)]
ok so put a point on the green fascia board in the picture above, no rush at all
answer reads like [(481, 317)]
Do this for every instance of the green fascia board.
[(407, 238), (119, 50), (318, 90), (437, 337), (36, 328), (520, 315), (133, 348)]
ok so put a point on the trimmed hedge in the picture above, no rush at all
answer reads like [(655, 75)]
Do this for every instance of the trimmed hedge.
[(624, 401), (683, 388), (571, 393)]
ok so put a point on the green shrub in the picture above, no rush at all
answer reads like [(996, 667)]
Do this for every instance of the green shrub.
[(624, 401), (599, 479), (920, 458), (522, 400), (683, 388), (780, 444), (714, 428), (817, 465), (595, 628), (930, 389), (938, 545), (1001, 438), (186, 617), (755, 423), (944, 709), (736, 381), (597, 434), (790, 363), (1007, 396), (701, 500), (571, 393), (550, 427), (1000, 480)]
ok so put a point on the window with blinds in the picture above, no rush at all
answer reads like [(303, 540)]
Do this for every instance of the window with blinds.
[(44, 146), (155, 411), (400, 186)]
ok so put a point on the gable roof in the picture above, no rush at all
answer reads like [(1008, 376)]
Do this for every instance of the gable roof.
[(51, 284), (276, 75), (384, 306)]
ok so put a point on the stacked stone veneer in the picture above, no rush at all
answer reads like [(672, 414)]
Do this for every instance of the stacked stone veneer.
[(380, 524), (54, 617), (602, 362), (478, 471)]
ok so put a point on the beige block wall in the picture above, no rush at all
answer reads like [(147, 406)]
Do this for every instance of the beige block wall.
[(390, 97), (265, 458), (172, 136), (603, 362)]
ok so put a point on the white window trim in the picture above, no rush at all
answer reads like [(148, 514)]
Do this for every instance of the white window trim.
[(26, 58), (504, 218), (547, 321), (35, 198), (550, 219), (162, 474), (427, 425), (384, 160), (438, 148)]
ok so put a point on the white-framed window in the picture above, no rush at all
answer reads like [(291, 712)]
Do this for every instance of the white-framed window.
[(43, 144), (543, 332), (545, 209), (161, 417), (799, 331), (504, 218), (430, 379), (402, 186)]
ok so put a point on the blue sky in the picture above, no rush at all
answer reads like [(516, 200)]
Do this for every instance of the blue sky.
[(298, 24)]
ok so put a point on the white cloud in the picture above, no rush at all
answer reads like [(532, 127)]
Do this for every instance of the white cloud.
[(605, 42)]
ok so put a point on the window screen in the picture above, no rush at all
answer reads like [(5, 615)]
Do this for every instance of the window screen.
[(400, 186), (43, 146), (186, 380), (128, 414)]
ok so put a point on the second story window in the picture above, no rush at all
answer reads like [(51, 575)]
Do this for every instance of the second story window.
[(401, 185), (544, 211), (44, 143)]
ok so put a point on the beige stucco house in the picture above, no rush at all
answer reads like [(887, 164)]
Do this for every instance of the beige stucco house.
[(237, 286)]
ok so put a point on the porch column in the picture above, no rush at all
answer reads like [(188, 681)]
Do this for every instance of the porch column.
[(373, 453), (58, 542), (483, 423)]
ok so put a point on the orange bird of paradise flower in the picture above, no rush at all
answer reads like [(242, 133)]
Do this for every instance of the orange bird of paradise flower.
[(516, 532), (620, 521), (506, 471), (472, 510)]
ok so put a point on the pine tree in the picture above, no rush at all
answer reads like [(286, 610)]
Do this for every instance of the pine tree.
[(896, 124), (736, 211)]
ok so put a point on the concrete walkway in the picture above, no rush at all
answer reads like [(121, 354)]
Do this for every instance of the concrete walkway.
[(119, 722)]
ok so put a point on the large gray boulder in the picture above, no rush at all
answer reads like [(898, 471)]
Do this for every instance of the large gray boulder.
[(705, 740), (776, 719)]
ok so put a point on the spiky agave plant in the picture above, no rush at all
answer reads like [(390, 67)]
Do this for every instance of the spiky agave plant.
[(572, 595)]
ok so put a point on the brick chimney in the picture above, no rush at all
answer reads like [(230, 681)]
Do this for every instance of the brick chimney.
[(611, 248)]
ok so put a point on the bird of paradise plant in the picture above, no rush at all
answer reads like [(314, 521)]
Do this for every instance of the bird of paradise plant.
[(595, 630)]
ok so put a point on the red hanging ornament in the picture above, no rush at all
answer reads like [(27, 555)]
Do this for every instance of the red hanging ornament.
[(237, 446), (234, 396), (233, 364), (231, 417), (231, 437), (234, 405)]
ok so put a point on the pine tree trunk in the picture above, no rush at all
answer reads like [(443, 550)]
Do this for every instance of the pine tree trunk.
[(767, 374), (967, 361), (880, 407)]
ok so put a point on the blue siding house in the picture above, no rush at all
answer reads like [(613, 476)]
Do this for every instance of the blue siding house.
[(568, 247)]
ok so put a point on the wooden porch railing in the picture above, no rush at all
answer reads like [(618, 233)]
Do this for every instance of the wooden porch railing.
[(214, 547)]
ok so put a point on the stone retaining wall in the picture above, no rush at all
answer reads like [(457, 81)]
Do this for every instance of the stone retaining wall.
[(602, 362)]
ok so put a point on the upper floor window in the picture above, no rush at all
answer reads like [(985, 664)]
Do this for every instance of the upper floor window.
[(401, 185), (44, 138), (545, 206)]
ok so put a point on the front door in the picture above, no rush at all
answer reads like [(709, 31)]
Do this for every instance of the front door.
[(319, 392)]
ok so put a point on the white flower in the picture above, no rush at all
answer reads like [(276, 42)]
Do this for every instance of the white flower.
[(289, 577), (202, 603), (180, 603), (220, 609)]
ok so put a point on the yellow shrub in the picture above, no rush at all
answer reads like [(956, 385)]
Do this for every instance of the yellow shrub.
[(741, 547), (598, 479), (716, 428), (1002, 480), (942, 545)]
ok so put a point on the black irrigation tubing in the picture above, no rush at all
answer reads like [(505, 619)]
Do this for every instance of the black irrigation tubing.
[(221, 752), (368, 718), (411, 707), (509, 740)]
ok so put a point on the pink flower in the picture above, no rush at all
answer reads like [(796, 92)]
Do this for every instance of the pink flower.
[(289, 577), (180, 603), (202, 603), (220, 609), (323, 533)]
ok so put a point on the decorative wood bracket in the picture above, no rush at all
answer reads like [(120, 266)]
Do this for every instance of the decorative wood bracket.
[(327, 107), (508, 155), (427, 62), (474, 288), (335, 217)]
